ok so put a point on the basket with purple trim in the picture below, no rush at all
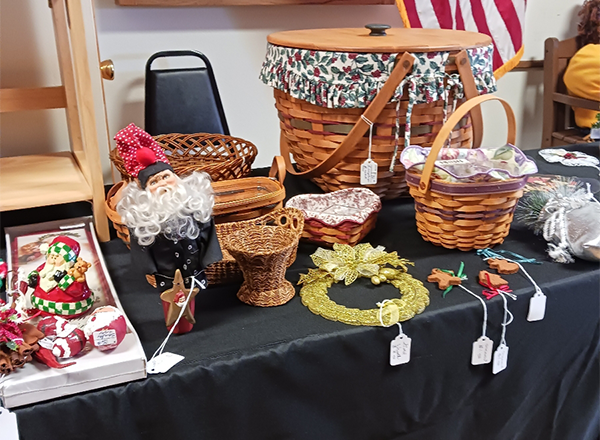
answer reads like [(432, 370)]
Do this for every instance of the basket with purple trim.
[(472, 213), (343, 216)]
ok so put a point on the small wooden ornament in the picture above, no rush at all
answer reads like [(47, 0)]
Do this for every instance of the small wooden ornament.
[(443, 279), (491, 279), (173, 295), (504, 267)]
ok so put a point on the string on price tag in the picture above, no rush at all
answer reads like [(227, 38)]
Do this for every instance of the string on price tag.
[(400, 345), (501, 354), (482, 348), (368, 169), (162, 362), (537, 303)]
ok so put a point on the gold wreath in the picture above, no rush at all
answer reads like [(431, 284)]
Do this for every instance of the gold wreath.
[(348, 263)]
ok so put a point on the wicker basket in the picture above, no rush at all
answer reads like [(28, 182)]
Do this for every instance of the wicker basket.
[(465, 216), (345, 216), (264, 248), (330, 144), (222, 157)]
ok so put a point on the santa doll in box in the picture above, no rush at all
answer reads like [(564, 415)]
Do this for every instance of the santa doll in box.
[(56, 292), (170, 223)]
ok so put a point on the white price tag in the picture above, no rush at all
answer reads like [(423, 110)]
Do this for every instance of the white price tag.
[(46, 343), (368, 172), (8, 425), (163, 363), (482, 351), (500, 358), (105, 337), (400, 350), (537, 307)]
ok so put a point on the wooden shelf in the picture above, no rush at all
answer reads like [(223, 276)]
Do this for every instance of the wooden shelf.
[(41, 180), (169, 3)]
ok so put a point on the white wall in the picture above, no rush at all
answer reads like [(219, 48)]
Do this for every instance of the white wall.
[(234, 39)]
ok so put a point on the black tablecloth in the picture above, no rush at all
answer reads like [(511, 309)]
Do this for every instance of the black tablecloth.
[(284, 373)]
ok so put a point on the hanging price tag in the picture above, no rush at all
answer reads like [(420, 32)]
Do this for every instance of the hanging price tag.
[(163, 363), (482, 351), (500, 358), (368, 172), (537, 307), (8, 425), (400, 350)]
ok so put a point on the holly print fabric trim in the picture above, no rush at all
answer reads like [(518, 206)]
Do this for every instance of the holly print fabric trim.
[(351, 80)]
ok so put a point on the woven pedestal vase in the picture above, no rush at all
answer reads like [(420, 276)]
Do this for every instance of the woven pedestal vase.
[(263, 251), (464, 216)]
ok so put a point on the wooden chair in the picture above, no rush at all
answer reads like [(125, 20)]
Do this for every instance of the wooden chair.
[(559, 124)]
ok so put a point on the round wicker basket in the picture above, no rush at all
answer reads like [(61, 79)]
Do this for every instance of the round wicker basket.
[(222, 157), (330, 141), (465, 216)]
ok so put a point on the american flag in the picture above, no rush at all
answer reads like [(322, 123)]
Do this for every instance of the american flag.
[(502, 20)]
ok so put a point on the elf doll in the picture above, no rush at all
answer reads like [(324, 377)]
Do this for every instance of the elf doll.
[(169, 220), (55, 291)]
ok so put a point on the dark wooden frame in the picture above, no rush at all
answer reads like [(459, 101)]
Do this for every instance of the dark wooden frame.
[(559, 124), (249, 2)]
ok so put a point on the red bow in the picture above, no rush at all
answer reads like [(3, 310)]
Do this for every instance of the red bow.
[(129, 141), (492, 291), (9, 329)]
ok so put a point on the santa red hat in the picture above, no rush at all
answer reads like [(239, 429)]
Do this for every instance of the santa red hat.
[(142, 155), (64, 246)]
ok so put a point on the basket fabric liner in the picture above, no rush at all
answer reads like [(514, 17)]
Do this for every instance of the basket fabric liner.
[(351, 80), (477, 165), (353, 206)]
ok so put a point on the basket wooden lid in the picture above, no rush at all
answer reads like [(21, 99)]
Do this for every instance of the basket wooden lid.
[(397, 40)]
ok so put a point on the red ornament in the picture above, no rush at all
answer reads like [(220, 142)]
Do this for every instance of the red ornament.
[(52, 325), (106, 328), (69, 343)]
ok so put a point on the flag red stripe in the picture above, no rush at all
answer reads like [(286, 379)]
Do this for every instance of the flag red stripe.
[(511, 20), (413, 16), (460, 24), (443, 12), (480, 21)]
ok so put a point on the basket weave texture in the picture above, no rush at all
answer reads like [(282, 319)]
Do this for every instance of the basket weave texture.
[(264, 248), (307, 128), (222, 157), (464, 216)]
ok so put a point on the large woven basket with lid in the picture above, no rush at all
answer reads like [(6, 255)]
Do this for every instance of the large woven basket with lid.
[(405, 82)]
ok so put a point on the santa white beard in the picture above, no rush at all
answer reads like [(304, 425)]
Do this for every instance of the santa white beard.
[(173, 211), (47, 281)]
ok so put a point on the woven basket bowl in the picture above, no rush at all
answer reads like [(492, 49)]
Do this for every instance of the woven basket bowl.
[(263, 254), (347, 233), (464, 216), (302, 126), (222, 157), (465, 222)]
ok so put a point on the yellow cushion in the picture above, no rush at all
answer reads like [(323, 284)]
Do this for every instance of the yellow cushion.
[(582, 79)]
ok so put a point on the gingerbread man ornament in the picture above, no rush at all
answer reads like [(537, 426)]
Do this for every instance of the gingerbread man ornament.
[(444, 279), (503, 267)]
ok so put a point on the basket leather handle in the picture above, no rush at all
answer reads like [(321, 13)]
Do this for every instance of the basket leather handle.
[(470, 89), (278, 169), (403, 66), (446, 129)]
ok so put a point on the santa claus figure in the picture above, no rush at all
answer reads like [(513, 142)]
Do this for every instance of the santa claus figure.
[(169, 219), (55, 291)]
